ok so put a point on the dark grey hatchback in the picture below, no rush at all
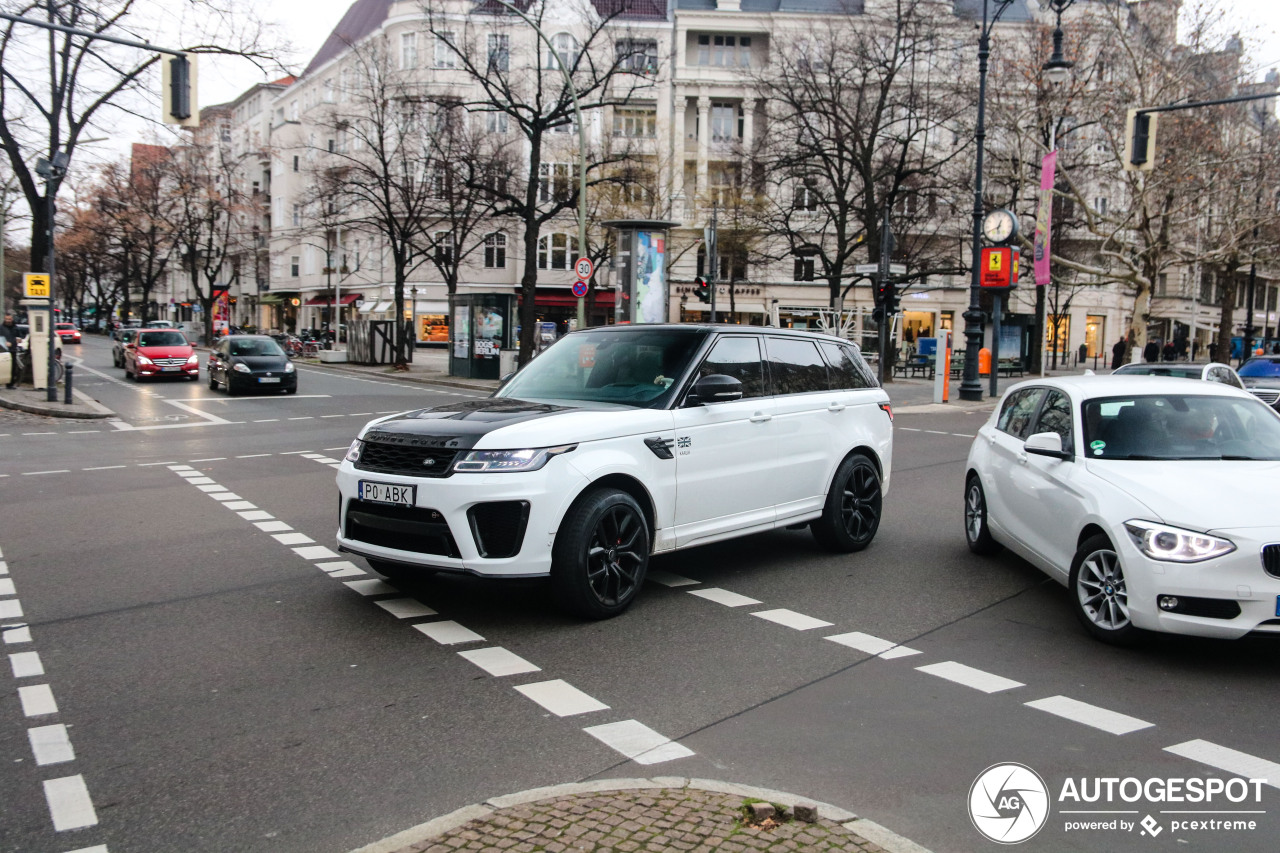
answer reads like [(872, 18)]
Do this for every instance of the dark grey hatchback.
[(253, 363)]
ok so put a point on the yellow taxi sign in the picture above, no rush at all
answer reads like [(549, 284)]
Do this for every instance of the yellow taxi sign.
[(35, 285)]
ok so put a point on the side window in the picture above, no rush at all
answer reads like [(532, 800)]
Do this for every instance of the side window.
[(737, 356), (1055, 416), (845, 370), (795, 366), (1017, 411)]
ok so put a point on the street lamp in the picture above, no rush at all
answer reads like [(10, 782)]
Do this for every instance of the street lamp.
[(970, 387), (52, 172)]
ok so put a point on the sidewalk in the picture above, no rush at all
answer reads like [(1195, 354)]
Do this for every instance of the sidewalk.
[(660, 815), (24, 398)]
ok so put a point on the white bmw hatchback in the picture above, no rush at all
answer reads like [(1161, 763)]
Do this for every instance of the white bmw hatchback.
[(622, 442), (1153, 500)]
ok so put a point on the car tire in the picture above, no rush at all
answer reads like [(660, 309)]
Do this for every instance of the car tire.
[(851, 515), (601, 554), (396, 571), (977, 533), (1098, 592)]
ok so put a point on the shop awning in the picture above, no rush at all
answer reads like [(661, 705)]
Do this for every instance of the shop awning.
[(326, 302), (270, 299), (377, 308), (568, 300)]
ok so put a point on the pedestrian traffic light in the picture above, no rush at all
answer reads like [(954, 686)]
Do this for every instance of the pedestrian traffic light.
[(702, 288), (177, 84), (1140, 141)]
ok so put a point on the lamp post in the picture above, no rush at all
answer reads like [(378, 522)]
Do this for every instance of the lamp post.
[(52, 171), (582, 148), (970, 387), (1056, 71)]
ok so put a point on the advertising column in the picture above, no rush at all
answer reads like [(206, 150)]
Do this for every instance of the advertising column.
[(649, 304)]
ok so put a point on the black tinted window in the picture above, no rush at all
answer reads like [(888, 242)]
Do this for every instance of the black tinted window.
[(796, 366), (1055, 416), (846, 369), (737, 356), (162, 339), (1018, 409)]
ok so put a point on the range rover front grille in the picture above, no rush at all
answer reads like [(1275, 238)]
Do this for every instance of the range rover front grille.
[(498, 527), (401, 527), (406, 459)]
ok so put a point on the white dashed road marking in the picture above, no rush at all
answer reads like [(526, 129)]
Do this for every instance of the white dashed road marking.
[(26, 664), (11, 608), (561, 698), (968, 676), (498, 661), (1230, 760), (7, 587), (51, 745), (69, 803), (1090, 715), (669, 579), (17, 634), (37, 700), (885, 649), (449, 633), (315, 552), (340, 569), (638, 742), (372, 587), (723, 596), (792, 619), (292, 538), (405, 608)]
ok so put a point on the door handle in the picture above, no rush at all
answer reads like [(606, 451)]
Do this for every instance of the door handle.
[(836, 407), (1022, 459), (759, 418)]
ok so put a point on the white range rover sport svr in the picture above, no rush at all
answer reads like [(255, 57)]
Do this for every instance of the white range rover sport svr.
[(618, 443)]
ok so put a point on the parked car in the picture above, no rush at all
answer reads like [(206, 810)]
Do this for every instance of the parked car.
[(160, 352), (124, 338), (1128, 491), (159, 324), (1261, 375), (1210, 371), (623, 442), (251, 362), (67, 333)]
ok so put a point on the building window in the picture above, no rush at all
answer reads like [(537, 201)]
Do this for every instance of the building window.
[(565, 46), (408, 50), (635, 122), (724, 51), (804, 267), (726, 122), (439, 180), (328, 91), (446, 56), (297, 215), (499, 52), (495, 251), (722, 180), (555, 181), (638, 56), (294, 264), (556, 251), (806, 197), (295, 162), (496, 121), (1100, 205), (444, 247)]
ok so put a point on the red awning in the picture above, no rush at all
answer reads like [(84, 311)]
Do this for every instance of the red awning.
[(566, 299), (326, 302)]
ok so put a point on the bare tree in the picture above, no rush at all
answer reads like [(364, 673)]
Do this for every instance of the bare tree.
[(136, 210)]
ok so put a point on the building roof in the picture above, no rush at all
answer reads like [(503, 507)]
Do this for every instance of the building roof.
[(362, 18)]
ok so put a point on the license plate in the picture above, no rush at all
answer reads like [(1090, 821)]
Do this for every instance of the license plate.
[(386, 493), (1278, 606), (268, 378), (169, 369)]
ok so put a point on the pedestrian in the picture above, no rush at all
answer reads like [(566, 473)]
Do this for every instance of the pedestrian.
[(9, 344), (1275, 348), (1168, 351), (1151, 352), (1084, 353), (1117, 353), (1195, 350)]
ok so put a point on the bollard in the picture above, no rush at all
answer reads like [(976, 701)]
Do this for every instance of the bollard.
[(67, 398)]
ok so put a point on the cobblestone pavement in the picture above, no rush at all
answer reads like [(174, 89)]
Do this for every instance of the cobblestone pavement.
[(651, 821)]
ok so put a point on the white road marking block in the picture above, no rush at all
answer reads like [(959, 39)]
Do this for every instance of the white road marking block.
[(638, 742), (17, 634), (669, 579), (69, 803), (405, 608), (326, 460), (723, 596), (37, 700), (97, 848), (1230, 760), (226, 496), (968, 676), (499, 661), (272, 526), (7, 587), (340, 568), (292, 538), (213, 488), (371, 587), (51, 745), (10, 608), (449, 633), (200, 481), (792, 619), (872, 645), (239, 505), (255, 515), (4, 568), (561, 698), (26, 664), (1090, 715), (180, 468), (312, 455), (315, 552)]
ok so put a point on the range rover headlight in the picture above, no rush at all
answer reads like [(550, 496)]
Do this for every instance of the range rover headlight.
[(353, 452), (494, 461), (1175, 545)]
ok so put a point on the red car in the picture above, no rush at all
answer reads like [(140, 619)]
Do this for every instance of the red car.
[(160, 352), (67, 333)]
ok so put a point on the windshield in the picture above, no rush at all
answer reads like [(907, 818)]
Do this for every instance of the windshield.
[(631, 367), (1194, 371), (162, 339), (1177, 426), (255, 346), (1260, 367)]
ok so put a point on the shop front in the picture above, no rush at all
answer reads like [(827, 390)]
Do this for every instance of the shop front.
[(560, 306)]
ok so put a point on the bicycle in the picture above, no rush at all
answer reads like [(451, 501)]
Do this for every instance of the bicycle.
[(20, 365)]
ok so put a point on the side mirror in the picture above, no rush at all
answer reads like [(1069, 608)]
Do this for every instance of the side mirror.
[(717, 388), (503, 380), (1047, 444)]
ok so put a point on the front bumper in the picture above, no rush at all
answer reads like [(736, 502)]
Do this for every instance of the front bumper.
[(546, 492), (251, 382), (1220, 587), (186, 371)]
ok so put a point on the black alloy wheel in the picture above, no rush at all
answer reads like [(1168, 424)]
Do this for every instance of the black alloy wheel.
[(601, 554), (976, 532), (852, 513)]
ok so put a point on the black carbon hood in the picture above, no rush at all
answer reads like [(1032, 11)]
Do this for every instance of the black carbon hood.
[(459, 425)]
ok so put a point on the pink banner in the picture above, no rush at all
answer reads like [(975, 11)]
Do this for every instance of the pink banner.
[(1044, 216)]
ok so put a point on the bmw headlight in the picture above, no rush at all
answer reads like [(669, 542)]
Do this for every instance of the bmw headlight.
[(493, 461), (353, 452), (1175, 545)]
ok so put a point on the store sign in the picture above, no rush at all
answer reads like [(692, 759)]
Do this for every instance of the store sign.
[(999, 268), (35, 285)]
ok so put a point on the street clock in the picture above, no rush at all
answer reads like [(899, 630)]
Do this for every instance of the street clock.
[(1000, 227)]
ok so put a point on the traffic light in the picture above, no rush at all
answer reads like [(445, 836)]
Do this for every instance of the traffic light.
[(1139, 141), (702, 288), (178, 84)]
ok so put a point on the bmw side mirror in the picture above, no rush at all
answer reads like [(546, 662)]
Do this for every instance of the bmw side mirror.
[(717, 388), (1047, 444)]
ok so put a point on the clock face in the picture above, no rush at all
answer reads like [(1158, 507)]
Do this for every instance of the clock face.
[(1000, 226)]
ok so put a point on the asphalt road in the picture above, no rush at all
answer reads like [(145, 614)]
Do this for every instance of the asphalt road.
[(223, 688)]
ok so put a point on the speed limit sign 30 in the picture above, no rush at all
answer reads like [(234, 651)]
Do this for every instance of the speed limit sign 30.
[(583, 268)]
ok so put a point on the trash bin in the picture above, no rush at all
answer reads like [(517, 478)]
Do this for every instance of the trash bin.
[(984, 362)]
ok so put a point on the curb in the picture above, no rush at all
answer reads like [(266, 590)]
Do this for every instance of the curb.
[(99, 410), (871, 831), (405, 377)]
